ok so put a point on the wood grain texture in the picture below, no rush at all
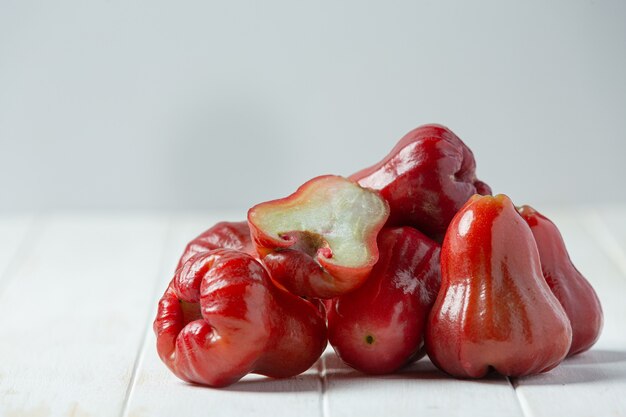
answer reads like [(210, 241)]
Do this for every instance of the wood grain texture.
[(594, 382), (73, 312)]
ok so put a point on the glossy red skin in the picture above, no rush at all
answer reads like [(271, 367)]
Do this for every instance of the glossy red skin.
[(426, 178), (222, 318), (300, 267), (231, 235), (494, 308), (379, 327), (574, 292)]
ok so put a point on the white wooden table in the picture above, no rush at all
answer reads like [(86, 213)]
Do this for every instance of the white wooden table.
[(78, 293)]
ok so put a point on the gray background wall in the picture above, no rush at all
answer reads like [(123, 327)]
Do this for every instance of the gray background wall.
[(156, 104)]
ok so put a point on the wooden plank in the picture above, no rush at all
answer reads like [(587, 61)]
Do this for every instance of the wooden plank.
[(72, 314), (420, 389), (74, 311), (157, 392), (594, 382), (13, 230), (608, 225)]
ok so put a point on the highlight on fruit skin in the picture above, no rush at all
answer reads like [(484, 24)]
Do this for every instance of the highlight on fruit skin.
[(321, 240), (494, 308)]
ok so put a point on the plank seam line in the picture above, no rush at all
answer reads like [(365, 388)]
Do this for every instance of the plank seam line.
[(31, 236), (597, 227), (324, 410), (521, 399), (139, 356)]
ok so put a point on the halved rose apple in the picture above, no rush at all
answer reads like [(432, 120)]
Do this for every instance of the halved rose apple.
[(321, 240)]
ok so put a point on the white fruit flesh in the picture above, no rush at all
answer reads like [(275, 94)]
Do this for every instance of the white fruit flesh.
[(333, 211)]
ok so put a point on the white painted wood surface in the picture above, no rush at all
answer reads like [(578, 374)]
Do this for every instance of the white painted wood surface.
[(73, 312), (78, 294)]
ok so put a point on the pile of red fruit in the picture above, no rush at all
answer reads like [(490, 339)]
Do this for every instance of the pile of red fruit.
[(360, 262)]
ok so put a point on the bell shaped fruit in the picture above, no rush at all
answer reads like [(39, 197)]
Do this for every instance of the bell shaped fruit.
[(320, 241), (576, 295), (230, 235), (494, 308), (379, 327), (426, 178), (222, 317)]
